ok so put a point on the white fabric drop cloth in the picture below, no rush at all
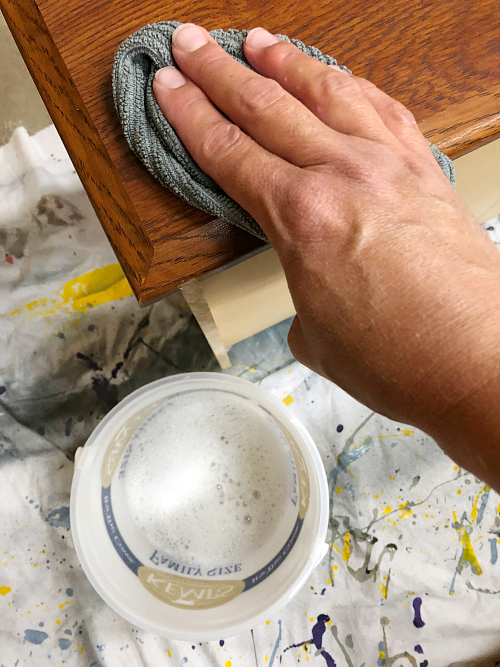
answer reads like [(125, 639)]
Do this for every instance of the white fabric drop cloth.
[(412, 577)]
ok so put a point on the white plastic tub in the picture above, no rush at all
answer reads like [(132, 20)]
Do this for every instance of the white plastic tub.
[(199, 506)]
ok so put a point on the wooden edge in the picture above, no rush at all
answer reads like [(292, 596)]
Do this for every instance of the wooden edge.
[(455, 138), (81, 139), (218, 246)]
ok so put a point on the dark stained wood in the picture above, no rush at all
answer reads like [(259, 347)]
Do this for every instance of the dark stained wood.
[(441, 59)]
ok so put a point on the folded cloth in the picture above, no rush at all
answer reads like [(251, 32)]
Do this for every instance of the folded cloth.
[(153, 139)]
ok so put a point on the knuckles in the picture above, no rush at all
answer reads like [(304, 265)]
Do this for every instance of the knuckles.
[(258, 94), (331, 83), (222, 138)]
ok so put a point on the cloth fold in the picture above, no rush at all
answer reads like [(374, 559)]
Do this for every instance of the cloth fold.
[(154, 141)]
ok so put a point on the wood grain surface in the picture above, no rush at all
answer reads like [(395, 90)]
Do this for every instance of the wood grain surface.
[(441, 59)]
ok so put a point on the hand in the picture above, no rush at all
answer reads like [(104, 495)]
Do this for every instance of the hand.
[(396, 286)]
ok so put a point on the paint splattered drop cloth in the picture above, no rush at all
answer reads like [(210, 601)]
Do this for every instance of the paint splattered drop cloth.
[(153, 139), (412, 575)]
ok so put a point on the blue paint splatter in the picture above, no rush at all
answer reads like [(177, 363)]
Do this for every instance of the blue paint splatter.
[(417, 619), (64, 643), (221, 642), (69, 592), (425, 663), (452, 585), (323, 591), (346, 458), (3, 390), (494, 550), (419, 649), (184, 659), (67, 632), (340, 428), (482, 506), (380, 661), (349, 487), (276, 646), (100, 647), (40, 625), (59, 518), (35, 636)]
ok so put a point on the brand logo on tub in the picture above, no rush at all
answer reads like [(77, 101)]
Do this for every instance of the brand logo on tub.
[(186, 593)]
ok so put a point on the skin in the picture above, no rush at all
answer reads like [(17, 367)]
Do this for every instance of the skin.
[(395, 285)]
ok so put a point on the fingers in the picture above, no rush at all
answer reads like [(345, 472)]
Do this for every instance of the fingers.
[(335, 97), (395, 116), (346, 103), (258, 105), (247, 172)]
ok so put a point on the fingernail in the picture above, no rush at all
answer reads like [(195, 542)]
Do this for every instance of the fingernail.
[(170, 77), (258, 38), (188, 37)]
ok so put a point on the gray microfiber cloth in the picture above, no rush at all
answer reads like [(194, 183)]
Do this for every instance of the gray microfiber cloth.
[(154, 141)]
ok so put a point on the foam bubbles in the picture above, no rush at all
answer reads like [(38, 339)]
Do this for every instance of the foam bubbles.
[(209, 479)]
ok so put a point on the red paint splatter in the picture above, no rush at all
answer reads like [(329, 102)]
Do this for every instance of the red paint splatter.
[(9, 259)]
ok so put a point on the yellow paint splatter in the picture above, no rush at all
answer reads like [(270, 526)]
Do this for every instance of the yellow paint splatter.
[(58, 622), (387, 510), (80, 294), (82, 650), (459, 492), (469, 556), (311, 619), (228, 663), (35, 564), (168, 653), (346, 552), (383, 588), (267, 622), (393, 477), (381, 655), (328, 622), (288, 400), (5, 589), (406, 511), (406, 431), (338, 489)]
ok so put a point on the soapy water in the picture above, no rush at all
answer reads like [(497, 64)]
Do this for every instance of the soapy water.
[(209, 480)]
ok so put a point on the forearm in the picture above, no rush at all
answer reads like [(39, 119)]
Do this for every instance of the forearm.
[(469, 430)]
